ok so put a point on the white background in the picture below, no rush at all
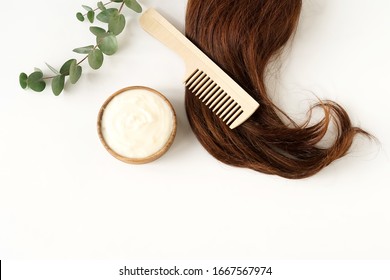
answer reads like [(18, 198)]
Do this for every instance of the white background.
[(62, 196)]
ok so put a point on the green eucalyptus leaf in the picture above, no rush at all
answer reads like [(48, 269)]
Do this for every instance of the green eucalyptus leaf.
[(87, 8), (116, 24), (80, 17), (65, 68), (52, 69), (102, 16), (134, 5), (84, 50), (117, 1), (35, 82), (108, 44), (105, 15), (57, 85), (91, 16), (75, 72), (95, 59), (35, 76), (23, 80), (97, 31), (101, 6), (37, 86)]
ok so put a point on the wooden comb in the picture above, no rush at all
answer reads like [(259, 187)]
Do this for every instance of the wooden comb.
[(204, 78)]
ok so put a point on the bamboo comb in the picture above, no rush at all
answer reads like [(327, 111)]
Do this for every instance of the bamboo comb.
[(204, 78)]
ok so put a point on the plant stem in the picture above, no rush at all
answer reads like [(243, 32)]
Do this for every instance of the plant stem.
[(121, 7), (81, 61), (48, 78)]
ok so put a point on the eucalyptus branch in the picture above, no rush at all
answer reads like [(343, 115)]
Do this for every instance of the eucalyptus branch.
[(106, 44)]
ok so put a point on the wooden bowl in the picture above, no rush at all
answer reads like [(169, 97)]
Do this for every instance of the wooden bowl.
[(148, 158)]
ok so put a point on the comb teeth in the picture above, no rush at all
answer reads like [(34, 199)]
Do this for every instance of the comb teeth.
[(214, 97)]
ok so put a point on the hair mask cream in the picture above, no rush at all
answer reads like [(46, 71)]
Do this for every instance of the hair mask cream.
[(137, 124)]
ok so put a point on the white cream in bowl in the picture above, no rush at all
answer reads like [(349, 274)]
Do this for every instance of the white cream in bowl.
[(137, 124)]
